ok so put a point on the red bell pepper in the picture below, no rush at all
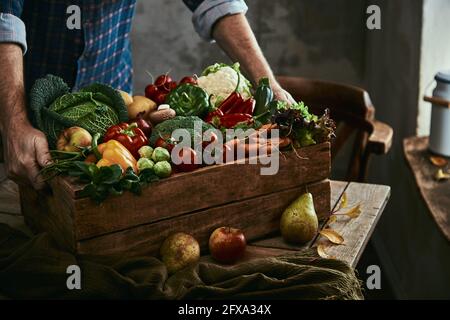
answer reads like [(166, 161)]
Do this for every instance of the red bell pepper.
[(129, 135)]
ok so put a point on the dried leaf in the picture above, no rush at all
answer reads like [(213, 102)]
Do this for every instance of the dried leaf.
[(343, 203), (439, 161), (332, 235), (441, 175), (331, 219), (322, 253), (354, 212)]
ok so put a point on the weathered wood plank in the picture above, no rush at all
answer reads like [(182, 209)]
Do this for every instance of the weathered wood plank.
[(356, 232), (436, 194), (297, 163), (257, 217), (47, 213), (201, 189), (337, 189)]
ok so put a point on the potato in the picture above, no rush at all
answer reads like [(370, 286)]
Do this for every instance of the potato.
[(141, 104), (126, 97)]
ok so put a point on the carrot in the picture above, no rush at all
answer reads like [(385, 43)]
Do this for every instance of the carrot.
[(91, 159), (285, 142)]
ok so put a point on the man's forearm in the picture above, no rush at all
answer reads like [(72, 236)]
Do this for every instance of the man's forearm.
[(12, 92), (235, 37)]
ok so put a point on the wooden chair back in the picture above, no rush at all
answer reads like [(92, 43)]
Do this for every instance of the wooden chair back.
[(352, 111)]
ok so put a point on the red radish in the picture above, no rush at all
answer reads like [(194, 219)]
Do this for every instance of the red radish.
[(162, 80), (190, 80), (160, 98), (169, 86), (151, 91)]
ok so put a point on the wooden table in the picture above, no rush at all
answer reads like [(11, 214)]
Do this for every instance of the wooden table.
[(435, 194), (356, 232)]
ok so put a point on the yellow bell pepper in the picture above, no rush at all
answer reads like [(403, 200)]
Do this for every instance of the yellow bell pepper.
[(113, 152)]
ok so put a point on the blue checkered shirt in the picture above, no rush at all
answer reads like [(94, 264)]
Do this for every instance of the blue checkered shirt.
[(100, 50)]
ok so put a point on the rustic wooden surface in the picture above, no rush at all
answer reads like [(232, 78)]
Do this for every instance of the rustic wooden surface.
[(212, 186), (356, 232), (436, 194)]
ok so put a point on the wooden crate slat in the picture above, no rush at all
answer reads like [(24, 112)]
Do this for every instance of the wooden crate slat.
[(48, 214), (319, 156), (257, 217), (198, 190)]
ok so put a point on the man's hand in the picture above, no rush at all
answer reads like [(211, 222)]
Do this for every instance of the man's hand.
[(234, 35), (281, 94), (26, 151), (25, 148)]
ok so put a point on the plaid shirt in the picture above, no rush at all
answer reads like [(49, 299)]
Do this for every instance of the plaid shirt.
[(100, 51)]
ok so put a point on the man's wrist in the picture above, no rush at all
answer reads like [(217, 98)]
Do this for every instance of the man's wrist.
[(14, 123), (256, 77)]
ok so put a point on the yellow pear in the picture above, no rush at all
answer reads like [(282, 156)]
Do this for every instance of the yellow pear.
[(299, 223)]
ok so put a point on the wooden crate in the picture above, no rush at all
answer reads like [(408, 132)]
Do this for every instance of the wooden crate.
[(197, 202)]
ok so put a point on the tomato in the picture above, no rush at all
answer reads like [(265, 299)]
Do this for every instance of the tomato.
[(160, 98), (162, 80), (151, 91), (188, 157), (165, 143), (190, 80), (212, 138)]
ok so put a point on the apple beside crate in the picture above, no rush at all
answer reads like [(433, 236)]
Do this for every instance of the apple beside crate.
[(234, 195)]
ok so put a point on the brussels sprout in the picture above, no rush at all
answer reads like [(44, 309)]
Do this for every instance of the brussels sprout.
[(162, 169), (144, 163), (146, 152), (160, 154)]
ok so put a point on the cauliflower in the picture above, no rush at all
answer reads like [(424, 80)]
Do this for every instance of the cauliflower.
[(220, 80)]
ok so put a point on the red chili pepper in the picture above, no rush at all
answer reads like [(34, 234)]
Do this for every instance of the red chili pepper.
[(230, 120), (210, 118), (229, 102), (248, 106), (129, 135), (244, 106)]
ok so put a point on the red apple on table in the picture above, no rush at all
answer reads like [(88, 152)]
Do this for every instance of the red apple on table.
[(227, 245)]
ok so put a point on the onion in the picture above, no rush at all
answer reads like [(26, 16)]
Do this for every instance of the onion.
[(143, 124)]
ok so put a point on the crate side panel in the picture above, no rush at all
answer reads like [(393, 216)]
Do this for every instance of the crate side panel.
[(257, 217)]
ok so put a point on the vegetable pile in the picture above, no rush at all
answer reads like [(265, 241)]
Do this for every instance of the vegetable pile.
[(115, 142)]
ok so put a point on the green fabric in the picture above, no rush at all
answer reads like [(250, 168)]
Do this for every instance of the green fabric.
[(35, 267)]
